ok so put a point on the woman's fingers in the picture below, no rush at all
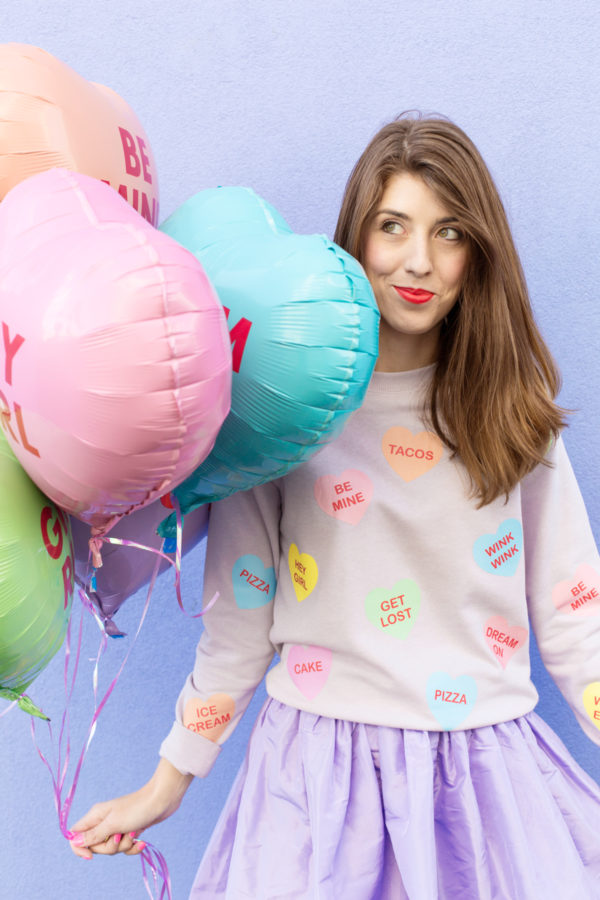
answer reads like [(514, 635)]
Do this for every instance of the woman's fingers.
[(91, 830), (129, 843), (136, 848), (114, 843), (82, 852), (93, 817)]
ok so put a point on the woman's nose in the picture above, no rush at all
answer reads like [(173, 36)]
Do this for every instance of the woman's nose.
[(418, 257)]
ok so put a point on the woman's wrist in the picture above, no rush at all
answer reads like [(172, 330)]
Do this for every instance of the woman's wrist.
[(168, 784)]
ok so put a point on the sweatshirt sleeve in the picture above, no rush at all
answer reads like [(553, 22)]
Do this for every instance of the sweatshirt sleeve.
[(235, 649), (563, 584)]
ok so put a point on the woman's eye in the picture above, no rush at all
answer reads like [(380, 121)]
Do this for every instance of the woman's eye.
[(391, 227), (450, 234)]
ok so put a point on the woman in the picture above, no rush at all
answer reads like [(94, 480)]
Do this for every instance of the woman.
[(399, 571)]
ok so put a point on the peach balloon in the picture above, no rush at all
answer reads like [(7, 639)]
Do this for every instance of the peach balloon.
[(52, 117)]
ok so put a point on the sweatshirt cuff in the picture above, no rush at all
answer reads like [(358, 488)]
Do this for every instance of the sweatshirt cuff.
[(190, 753)]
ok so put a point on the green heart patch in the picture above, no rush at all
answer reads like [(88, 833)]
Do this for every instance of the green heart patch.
[(394, 610)]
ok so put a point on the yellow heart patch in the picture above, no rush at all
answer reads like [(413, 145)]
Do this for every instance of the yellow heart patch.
[(591, 702), (209, 717), (304, 572)]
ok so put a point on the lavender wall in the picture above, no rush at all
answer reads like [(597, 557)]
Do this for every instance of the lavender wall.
[(282, 97)]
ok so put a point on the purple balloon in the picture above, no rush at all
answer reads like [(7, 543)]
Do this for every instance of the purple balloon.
[(126, 569)]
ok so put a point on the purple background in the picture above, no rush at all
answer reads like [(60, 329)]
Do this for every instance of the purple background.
[(283, 97)]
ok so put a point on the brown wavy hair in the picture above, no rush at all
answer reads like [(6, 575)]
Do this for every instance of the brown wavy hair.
[(492, 394)]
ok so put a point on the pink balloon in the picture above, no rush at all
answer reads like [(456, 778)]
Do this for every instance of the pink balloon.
[(115, 359), (126, 569)]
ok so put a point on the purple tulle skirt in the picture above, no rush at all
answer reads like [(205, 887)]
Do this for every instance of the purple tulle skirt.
[(336, 810)]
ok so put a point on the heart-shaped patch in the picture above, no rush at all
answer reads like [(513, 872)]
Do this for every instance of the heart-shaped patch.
[(411, 455), (450, 699), (304, 572), (345, 496), (504, 639), (591, 702), (309, 668), (209, 717), (394, 610), (253, 583), (500, 553), (579, 595)]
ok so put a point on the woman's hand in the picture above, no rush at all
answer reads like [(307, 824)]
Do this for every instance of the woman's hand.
[(113, 826)]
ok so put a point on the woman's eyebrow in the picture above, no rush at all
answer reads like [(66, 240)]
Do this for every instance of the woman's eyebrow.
[(447, 220)]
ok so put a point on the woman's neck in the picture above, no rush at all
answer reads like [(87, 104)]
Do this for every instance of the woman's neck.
[(404, 352)]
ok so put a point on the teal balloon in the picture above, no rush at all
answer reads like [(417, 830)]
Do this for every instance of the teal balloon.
[(303, 325)]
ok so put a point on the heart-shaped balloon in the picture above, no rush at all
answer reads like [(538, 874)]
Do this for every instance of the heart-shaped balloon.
[(50, 116), (303, 324), (36, 576), (126, 569), (116, 363)]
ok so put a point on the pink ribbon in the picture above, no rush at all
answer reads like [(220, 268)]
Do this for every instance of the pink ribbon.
[(152, 860), (97, 539), (8, 709), (154, 865)]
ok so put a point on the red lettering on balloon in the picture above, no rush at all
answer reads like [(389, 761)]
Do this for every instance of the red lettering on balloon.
[(67, 571), (10, 351), (145, 161), (145, 210), (64, 519), (5, 417), (132, 162), (21, 426), (238, 335), (54, 549), (150, 215)]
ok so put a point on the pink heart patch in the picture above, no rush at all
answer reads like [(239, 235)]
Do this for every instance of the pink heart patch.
[(309, 668), (504, 639), (579, 595), (346, 496)]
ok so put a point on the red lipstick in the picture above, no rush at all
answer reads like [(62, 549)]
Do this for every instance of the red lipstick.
[(413, 295)]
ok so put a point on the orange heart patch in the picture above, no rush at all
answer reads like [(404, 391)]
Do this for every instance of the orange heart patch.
[(209, 717), (411, 455)]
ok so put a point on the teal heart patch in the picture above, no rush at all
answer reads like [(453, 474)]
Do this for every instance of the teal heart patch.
[(450, 699), (253, 584), (500, 553)]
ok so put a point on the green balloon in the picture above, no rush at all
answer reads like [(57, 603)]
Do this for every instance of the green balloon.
[(36, 577)]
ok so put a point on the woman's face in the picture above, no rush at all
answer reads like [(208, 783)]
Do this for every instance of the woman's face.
[(415, 257)]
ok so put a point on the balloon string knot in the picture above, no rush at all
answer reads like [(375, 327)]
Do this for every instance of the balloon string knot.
[(95, 545)]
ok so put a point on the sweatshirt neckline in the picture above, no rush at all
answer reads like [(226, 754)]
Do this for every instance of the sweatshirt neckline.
[(396, 382)]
